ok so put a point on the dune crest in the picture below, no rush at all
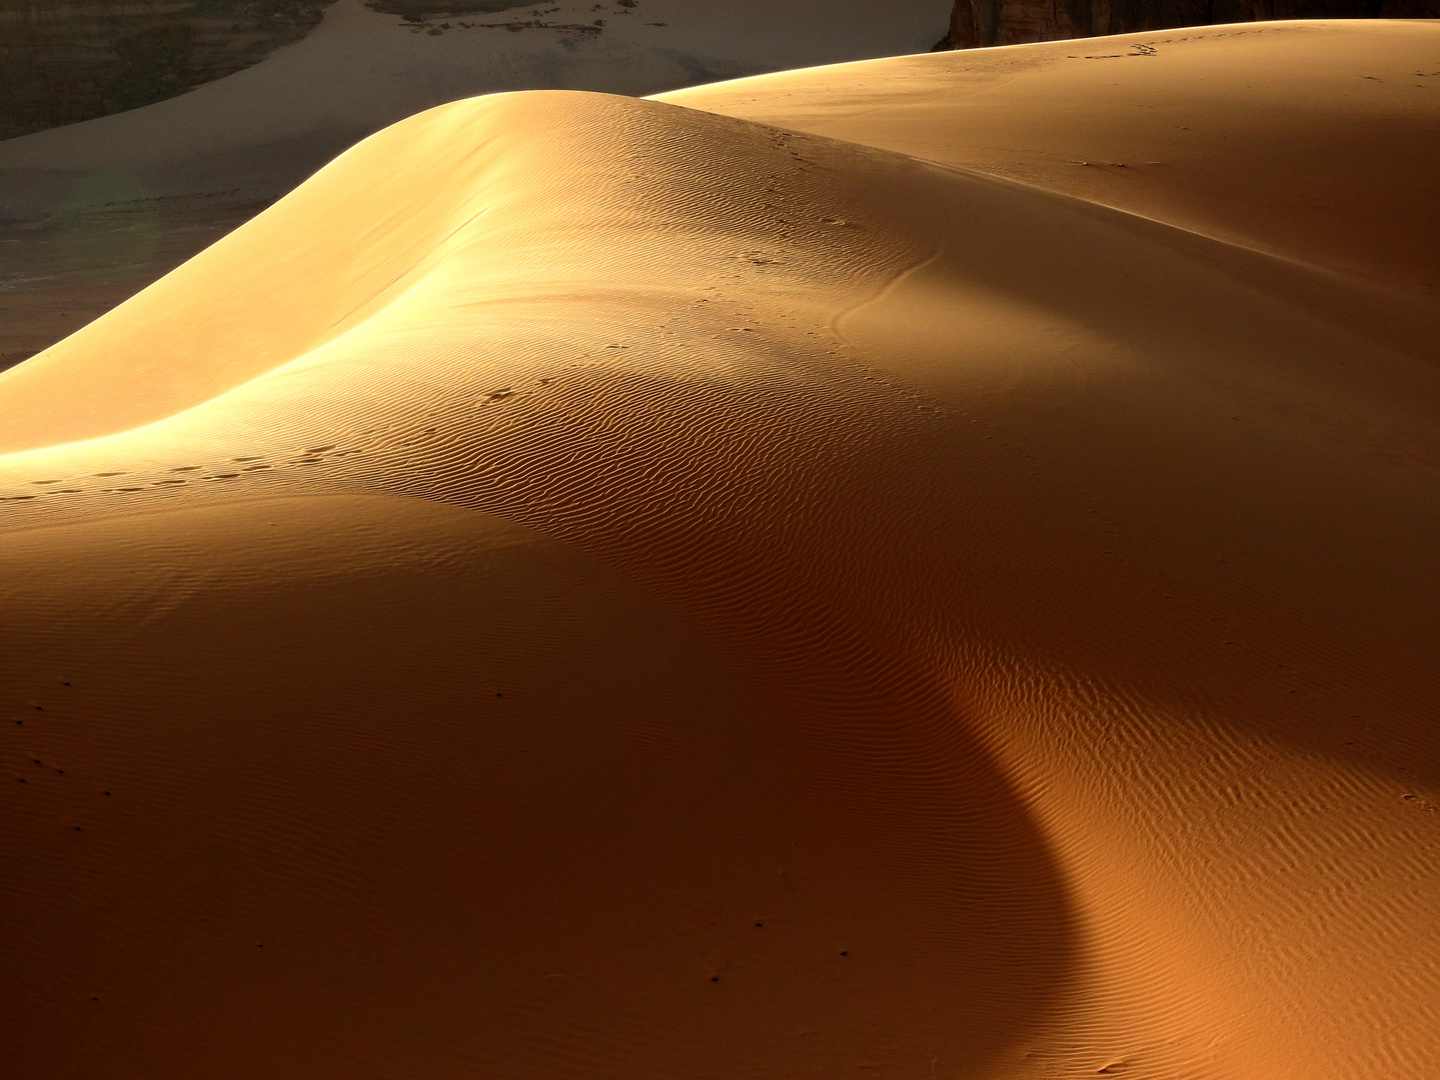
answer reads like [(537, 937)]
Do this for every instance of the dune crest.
[(592, 587)]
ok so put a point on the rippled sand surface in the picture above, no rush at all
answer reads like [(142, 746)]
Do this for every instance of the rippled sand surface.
[(922, 567)]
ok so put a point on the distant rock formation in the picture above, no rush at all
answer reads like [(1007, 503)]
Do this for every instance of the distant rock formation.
[(979, 23), (62, 61)]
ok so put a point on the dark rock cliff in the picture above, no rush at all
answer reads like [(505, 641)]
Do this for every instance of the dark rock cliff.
[(1012, 22), (67, 60)]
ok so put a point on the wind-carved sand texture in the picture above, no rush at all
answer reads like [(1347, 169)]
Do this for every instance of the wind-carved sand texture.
[(594, 587)]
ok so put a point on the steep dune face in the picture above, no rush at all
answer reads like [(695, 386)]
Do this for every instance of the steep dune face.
[(589, 586)]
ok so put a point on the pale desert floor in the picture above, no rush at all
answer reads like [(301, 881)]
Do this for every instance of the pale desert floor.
[(918, 568)]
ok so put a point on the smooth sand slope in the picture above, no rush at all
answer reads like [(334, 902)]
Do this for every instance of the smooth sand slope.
[(590, 587), (362, 69), (91, 213)]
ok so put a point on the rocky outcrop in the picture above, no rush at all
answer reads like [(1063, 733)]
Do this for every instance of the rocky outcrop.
[(978, 23), (68, 60)]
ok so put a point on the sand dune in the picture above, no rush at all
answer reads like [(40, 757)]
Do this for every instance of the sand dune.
[(1311, 141), (362, 69), (91, 213), (594, 587)]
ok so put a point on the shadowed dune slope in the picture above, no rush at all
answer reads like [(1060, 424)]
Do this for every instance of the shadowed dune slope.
[(589, 587)]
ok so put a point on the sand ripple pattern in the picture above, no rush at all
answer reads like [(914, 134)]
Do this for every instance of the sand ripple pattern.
[(1053, 695)]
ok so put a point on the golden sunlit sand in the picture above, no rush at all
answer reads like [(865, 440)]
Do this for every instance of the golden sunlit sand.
[(922, 567)]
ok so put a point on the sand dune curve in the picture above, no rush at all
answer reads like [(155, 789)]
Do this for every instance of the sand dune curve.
[(592, 587)]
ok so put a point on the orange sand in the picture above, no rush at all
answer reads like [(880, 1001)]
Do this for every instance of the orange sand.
[(589, 587)]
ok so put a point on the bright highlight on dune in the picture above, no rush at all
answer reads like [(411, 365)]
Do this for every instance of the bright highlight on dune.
[(922, 567)]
